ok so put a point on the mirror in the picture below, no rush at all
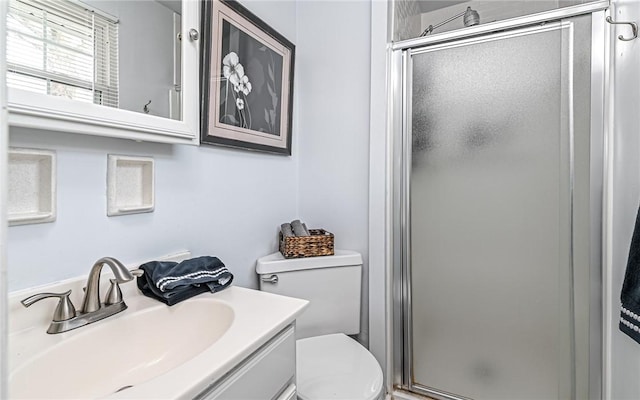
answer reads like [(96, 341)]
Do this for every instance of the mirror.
[(149, 54), (112, 64)]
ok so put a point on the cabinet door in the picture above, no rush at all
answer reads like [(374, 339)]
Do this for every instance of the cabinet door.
[(265, 375)]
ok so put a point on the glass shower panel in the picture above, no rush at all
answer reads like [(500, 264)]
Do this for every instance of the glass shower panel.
[(490, 211)]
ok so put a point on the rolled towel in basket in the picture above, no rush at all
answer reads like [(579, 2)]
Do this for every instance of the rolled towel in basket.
[(298, 228), (286, 229)]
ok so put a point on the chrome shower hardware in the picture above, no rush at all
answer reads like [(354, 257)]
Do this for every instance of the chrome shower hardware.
[(471, 18), (633, 25)]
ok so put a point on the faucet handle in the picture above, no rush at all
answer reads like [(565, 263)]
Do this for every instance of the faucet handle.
[(114, 294), (65, 309)]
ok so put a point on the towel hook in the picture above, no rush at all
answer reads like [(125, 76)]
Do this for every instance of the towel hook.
[(146, 107), (634, 28)]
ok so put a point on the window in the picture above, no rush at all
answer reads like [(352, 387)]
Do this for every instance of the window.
[(62, 48)]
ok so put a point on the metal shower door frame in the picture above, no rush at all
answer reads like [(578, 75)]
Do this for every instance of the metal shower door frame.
[(400, 144)]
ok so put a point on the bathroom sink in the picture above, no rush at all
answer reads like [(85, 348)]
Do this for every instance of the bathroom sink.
[(148, 351), (123, 351)]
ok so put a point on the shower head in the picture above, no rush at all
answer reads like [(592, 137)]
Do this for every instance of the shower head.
[(471, 18)]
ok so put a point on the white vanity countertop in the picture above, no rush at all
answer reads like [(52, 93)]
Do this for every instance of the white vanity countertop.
[(257, 316)]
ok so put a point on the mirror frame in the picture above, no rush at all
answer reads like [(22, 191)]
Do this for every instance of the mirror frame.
[(41, 111)]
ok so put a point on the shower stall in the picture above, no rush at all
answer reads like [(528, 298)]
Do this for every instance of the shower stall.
[(498, 175)]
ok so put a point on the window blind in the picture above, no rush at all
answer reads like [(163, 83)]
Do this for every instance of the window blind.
[(62, 48)]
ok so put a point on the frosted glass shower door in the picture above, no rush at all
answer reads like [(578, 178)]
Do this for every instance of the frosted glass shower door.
[(497, 155)]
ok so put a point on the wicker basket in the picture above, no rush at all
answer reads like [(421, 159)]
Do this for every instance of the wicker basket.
[(319, 243)]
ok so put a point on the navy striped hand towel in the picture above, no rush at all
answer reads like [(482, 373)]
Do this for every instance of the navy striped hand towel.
[(172, 282), (630, 295)]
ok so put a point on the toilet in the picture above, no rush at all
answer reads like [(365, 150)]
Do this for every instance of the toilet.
[(330, 364)]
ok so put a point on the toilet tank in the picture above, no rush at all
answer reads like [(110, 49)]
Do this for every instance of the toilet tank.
[(332, 285)]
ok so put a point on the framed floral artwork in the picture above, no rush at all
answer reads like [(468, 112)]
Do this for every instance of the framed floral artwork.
[(247, 80)]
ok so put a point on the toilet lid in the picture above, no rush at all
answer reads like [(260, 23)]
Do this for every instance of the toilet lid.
[(336, 367)]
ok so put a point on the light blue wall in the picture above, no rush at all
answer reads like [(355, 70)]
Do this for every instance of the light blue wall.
[(209, 200), (333, 72), (220, 201)]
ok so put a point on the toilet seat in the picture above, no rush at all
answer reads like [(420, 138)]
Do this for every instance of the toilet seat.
[(336, 367)]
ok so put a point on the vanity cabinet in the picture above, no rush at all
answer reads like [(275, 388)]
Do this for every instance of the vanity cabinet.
[(268, 373)]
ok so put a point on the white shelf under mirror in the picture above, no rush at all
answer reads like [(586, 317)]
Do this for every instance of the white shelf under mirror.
[(130, 185), (52, 113), (32, 186)]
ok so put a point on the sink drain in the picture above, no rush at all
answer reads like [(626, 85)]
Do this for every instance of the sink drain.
[(123, 388)]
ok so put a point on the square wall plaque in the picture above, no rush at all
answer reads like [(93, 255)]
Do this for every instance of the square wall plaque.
[(130, 185), (32, 186)]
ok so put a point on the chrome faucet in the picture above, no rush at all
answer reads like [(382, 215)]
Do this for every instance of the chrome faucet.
[(91, 301), (66, 318)]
